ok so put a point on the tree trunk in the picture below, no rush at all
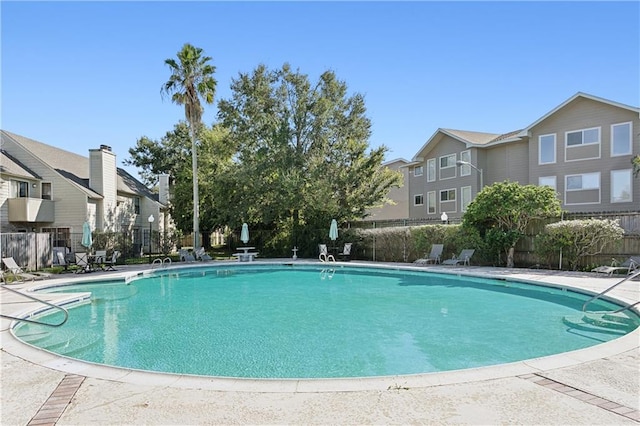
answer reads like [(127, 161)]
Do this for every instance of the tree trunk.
[(510, 254), (196, 198)]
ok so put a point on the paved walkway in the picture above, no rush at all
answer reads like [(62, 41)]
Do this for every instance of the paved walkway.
[(599, 385)]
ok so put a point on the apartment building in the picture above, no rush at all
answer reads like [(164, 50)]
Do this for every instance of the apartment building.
[(582, 148), (47, 189), (397, 204)]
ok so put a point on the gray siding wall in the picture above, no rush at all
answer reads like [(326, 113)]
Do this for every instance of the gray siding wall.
[(446, 179), (417, 185), (399, 196), (584, 114), (508, 161)]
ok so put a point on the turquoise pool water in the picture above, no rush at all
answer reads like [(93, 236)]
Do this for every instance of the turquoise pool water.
[(282, 321)]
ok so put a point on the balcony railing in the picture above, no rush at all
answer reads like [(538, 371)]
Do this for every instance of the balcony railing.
[(31, 210)]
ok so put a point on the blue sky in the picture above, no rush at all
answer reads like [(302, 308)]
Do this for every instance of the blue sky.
[(80, 74)]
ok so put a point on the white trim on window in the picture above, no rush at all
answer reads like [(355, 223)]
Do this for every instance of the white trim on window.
[(449, 195), (417, 171), (466, 169), (418, 200), (431, 170), (450, 161), (627, 139), (551, 181), (621, 186), (431, 202), (582, 182), (582, 137), (465, 198), (46, 190), (547, 144)]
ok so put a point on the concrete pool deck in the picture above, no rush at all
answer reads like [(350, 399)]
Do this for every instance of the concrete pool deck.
[(597, 385)]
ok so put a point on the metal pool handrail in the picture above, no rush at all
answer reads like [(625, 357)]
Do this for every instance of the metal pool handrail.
[(627, 278), (66, 313)]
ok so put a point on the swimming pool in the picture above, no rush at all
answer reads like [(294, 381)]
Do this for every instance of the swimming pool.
[(303, 321)]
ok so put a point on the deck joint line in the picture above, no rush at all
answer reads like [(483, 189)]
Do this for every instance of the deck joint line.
[(607, 404), (57, 402)]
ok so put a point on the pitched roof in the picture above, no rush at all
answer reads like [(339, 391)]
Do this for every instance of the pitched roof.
[(75, 167), (471, 138), (476, 138), (571, 99), (14, 167)]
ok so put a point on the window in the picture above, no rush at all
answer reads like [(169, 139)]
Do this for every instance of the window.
[(583, 182), (448, 161), (136, 205), (431, 201), (547, 181), (621, 186), (431, 170), (418, 200), (583, 137), (465, 198), (466, 169), (417, 171), (448, 195), (621, 139), (547, 149), (46, 190), (60, 237), (19, 189)]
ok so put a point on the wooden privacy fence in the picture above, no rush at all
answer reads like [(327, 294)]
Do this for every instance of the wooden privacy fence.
[(29, 249)]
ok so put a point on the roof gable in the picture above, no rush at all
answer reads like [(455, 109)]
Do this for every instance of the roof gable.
[(12, 166), (570, 100), (469, 138), (75, 167)]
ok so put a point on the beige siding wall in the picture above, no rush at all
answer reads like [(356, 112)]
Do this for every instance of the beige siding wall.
[(4, 205), (102, 166), (69, 200), (586, 114)]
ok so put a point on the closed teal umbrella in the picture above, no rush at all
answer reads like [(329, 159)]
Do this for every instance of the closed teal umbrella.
[(87, 241), (244, 235), (333, 230)]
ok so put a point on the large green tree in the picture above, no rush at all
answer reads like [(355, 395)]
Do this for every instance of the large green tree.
[(636, 165), (170, 155), (303, 151), (504, 210), (191, 80)]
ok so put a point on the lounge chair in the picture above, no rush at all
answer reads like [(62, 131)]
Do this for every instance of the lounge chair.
[(62, 260), (186, 256), (324, 255), (202, 255), (19, 274), (463, 257), (628, 266), (111, 262), (434, 256), (346, 251)]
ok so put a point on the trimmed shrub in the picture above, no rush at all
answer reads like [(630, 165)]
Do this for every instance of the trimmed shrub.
[(576, 239)]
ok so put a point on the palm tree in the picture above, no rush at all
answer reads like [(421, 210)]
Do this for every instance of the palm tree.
[(191, 79)]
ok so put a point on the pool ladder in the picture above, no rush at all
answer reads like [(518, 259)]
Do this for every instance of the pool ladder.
[(161, 262), (64, 311), (597, 296)]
